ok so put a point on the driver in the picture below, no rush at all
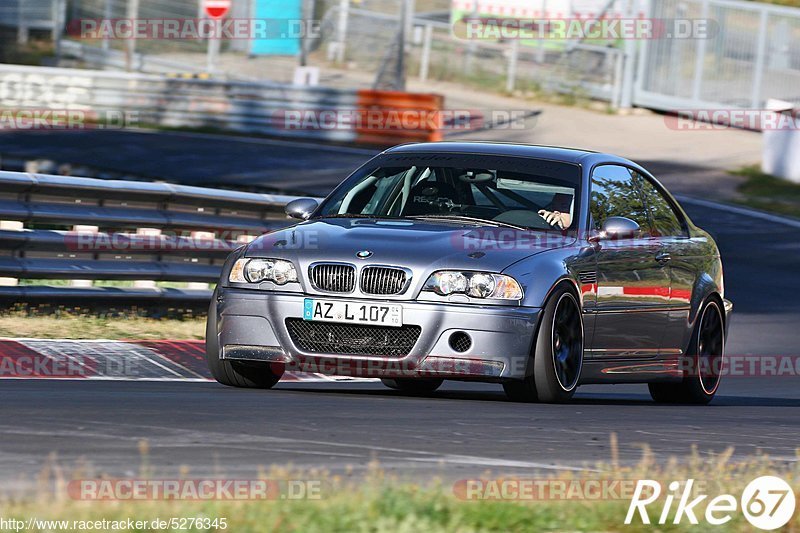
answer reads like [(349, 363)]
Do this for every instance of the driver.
[(557, 213)]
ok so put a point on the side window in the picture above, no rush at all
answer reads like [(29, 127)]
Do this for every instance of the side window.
[(616, 192), (665, 222)]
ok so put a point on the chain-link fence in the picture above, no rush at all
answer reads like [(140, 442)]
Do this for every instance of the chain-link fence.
[(754, 56), (435, 51), (363, 36), (138, 9)]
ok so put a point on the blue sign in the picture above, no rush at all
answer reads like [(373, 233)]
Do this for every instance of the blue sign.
[(282, 20)]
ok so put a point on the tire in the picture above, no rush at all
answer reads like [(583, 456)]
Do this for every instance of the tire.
[(413, 386), (557, 353), (236, 373), (704, 363)]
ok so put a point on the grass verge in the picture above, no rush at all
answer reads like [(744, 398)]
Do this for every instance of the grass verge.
[(768, 193), (23, 324), (378, 502)]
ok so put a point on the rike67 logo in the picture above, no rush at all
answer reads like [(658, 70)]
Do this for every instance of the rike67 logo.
[(767, 502)]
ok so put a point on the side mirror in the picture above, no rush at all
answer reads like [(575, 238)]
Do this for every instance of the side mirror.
[(615, 228), (301, 208)]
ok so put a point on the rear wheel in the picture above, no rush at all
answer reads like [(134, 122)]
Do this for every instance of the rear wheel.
[(705, 362), (557, 353), (236, 373), (413, 386)]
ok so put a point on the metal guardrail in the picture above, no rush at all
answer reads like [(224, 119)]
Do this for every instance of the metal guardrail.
[(119, 99), (82, 229)]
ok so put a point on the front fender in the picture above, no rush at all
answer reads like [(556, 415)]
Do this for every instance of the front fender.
[(540, 274)]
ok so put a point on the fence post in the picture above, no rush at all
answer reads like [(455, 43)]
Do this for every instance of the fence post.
[(629, 67), (758, 72), (22, 24), (213, 46), (107, 13), (616, 95), (130, 44), (341, 31), (513, 56), (59, 11), (700, 60), (540, 48), (425, 60)]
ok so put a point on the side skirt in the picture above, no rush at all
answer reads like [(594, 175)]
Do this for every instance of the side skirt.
[(631, 370)]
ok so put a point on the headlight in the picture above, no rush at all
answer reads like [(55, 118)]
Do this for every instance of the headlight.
[(277, 271), (475, 284), (444, 283), (481, 285)]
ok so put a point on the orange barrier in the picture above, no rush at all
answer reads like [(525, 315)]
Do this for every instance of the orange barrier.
[(392, 117)]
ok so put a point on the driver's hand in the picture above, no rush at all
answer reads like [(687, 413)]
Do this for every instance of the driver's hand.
[(556, 218)]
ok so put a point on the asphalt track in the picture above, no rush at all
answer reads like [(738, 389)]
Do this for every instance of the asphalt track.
[(208, 160), (292, 166), (462, 430)]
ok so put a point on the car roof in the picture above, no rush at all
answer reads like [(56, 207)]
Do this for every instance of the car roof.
[(552, 153)]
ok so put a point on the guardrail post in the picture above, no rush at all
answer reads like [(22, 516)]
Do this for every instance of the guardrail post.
[(83, 283), (197, 236), (10, 225), (146, 283)]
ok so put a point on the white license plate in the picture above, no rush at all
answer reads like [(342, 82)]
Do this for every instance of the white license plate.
[(352, 312)]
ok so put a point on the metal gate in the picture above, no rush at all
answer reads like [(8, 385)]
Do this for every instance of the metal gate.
[(753, 56)]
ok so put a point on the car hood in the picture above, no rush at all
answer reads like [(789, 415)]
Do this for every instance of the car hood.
[(423, 246)]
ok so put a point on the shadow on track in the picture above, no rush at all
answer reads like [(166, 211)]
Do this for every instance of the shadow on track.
[(580, 400)]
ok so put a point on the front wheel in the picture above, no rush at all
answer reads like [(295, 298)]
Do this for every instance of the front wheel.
[(557, 353), (705, 359), (413, 386)]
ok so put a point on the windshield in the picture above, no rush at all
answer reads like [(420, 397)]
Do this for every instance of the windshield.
[(529, 194)]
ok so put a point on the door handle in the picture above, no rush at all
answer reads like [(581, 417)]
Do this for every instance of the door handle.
[(663, 257)]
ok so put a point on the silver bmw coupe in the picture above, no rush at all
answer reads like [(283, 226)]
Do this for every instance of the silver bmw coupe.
[(537, 268)]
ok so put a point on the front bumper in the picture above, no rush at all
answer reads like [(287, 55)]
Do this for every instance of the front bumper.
[(251, 326)]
